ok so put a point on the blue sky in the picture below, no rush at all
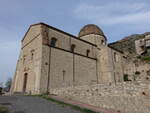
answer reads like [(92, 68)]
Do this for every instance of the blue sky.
[(117, 18)]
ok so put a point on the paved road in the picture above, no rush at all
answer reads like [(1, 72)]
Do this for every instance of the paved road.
[(29, 104)]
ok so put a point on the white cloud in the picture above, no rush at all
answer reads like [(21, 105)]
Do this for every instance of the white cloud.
[(114, 13)]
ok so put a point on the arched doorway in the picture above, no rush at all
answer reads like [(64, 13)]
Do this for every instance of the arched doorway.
[(25, 82)]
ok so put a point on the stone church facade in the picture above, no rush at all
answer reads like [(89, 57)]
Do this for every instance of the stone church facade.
[(51, 58)]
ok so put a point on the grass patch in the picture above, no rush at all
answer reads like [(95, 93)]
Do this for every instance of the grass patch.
[(83, 110), (3, 109), (145, 58)]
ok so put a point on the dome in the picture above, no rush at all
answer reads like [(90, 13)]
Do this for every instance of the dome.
[(90, 29)]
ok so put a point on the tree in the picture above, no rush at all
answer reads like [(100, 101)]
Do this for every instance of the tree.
[(1, 84), (1, 87), (8, 84)]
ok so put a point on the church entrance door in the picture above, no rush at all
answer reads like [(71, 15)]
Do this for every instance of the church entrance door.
[(25, 82)]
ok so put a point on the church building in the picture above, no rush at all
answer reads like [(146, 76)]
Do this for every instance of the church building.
[(51, 58)]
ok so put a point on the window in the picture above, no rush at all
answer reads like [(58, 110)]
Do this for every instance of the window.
[(87, 52), (32, 54), (25, 82), (53, 42), (73, 48), (126, 77), (116, 57), (102, 41), (24, 59), (64, 72)]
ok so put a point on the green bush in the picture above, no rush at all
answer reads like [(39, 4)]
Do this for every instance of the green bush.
[(146, 58), (139, 57)]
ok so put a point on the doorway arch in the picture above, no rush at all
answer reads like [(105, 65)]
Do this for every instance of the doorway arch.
[(25, 82)]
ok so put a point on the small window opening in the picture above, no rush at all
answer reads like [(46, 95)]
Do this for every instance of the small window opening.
[(87, 52), (32, 54), (102, 41), (24, 59), (53, 42), (73, 48), (64, 72)]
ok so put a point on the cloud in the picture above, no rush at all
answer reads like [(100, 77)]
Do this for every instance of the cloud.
[(114, 13)]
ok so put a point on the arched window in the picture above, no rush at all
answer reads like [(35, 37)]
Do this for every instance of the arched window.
[(53, 42), (102, 42), (73, 48), (24, 59), (25, 82), (87, 52), (32, 54), (64, 72)]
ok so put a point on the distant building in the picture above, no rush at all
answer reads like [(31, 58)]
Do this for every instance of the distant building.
[(143, 45)]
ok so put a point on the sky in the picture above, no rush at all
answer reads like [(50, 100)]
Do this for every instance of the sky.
[(117, 19)]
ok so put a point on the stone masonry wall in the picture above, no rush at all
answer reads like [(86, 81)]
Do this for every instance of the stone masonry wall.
[(124, 97), (29, 62)]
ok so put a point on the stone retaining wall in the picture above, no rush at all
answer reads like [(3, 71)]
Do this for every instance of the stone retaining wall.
[(124, 97)]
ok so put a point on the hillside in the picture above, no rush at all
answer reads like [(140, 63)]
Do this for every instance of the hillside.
[(127, 44)]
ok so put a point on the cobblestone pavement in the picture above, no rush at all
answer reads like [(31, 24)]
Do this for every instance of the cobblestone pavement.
[(29, 104)]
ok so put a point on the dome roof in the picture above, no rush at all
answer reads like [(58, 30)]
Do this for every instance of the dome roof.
[(90, 29)]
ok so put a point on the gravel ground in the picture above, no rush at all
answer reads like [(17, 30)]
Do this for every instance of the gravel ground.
[(30, 104)]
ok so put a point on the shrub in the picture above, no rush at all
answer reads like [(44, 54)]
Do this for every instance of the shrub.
[(139, 57), (146, 58)]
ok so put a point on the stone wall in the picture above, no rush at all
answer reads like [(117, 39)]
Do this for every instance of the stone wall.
[(85, 72), (64, 42), (111, 65), (137, 69), (67, 69), (125, 97), (61, 68), (95, 39), (144, 68), (29, 62)]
